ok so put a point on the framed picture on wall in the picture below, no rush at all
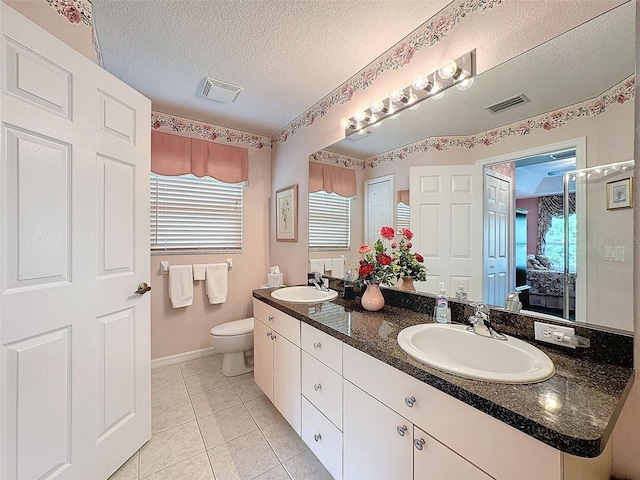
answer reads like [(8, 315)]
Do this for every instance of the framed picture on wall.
[(287, 214), (620, 194)]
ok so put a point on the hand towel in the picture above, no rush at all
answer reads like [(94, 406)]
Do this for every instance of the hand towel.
[(180, 285), (327, 264), (316, 265), (337, 267), (217, 284), (199, 271)]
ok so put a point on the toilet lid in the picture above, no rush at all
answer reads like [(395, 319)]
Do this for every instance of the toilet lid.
[(236, 327)]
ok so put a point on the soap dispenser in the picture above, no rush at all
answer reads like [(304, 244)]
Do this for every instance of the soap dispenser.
[(442, 312), (461, 294), (348, 293)]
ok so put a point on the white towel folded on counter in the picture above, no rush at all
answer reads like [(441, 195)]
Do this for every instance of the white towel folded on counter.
[(180, 285), (217, 283)]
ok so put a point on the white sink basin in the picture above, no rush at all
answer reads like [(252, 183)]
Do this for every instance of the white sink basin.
[(453, 349), (303, 295)]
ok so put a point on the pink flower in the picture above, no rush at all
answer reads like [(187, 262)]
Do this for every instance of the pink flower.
[(364, 249), (387, 233), (156, 123), (403, 53), (409, 245), (384, 259), (394, 245), (72, 14), (406, 233)]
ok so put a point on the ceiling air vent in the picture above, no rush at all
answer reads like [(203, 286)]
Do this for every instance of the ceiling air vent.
[(220, 91), (508, 103)]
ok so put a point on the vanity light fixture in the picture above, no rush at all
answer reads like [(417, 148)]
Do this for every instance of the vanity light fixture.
[(458, 72)]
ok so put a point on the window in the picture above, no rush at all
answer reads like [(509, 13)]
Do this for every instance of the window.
[(402, 216), (554, 243), (329, 221), (195, 214)]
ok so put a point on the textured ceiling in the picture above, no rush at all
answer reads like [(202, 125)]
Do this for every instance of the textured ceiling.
[(286, 55)]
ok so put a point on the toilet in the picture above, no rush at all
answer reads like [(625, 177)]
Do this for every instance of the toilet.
[(235, 340)]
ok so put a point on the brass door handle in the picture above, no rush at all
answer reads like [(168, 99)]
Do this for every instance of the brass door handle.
[(142, 289)]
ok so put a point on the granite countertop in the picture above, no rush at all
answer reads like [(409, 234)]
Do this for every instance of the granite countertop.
[(574, 411)]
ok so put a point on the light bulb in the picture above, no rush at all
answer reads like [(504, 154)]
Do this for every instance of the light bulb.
[(465, 84), (436, 92), (360, 115), (396, 95), (377, 106), (345, 123), (373, 118), (363, 131), (420, 82), (392, 110), (413, 98), (438, 96), (449, 69), (377, 124)]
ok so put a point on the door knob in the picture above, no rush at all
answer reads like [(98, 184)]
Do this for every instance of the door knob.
[(142, 289)]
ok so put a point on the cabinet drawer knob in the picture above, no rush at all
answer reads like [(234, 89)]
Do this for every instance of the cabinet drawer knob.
[(269, 334), (317, 345), (419, 443), (270, 318), (401, 429), (273, 336), (410, 401), (317, 437), (317, 387)]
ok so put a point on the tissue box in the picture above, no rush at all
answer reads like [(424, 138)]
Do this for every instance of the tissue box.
[(274, 279)]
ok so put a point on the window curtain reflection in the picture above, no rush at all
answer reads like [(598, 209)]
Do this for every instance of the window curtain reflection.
[(549, 207), (332, 179), (174, 155)]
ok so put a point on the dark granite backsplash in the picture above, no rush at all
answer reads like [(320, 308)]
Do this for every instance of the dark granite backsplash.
[(607, 346)]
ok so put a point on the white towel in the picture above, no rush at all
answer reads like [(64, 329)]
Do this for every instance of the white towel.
[(217, 284), (337, 267), (199, 271), (327, 264), (316, 265), (180, 285)]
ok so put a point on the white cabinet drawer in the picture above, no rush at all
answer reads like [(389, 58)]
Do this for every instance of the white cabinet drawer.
[(322, 387), (322, 346), (282, 323), (473, 434), (323, 438)]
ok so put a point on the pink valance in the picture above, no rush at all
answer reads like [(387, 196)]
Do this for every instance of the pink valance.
[(331, 179), (176, 155), (403, 196)]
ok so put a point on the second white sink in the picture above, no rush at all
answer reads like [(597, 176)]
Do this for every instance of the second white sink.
[(302, 294), (453, 349)]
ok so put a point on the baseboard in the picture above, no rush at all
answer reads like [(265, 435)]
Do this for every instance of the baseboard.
[(182, 357)]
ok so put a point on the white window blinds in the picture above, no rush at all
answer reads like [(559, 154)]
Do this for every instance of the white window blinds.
[(195, 214), (329, 221), (402, 216)]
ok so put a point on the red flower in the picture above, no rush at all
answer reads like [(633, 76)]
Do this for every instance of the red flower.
[(419, 257), (365, 270), (406, 233), (384, 259), (364, 249), (409, 245), (394, 245), (387, 233)]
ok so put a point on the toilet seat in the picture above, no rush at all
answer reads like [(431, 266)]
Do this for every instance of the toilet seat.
[(235, 327)]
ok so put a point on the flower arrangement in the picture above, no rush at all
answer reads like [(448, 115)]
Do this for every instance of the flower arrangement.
[(381, 268), (409, 264)]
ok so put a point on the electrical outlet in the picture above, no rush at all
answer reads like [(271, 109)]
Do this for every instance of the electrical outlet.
[(554, 334)]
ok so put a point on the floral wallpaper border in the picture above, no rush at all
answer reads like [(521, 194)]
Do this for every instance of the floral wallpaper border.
[(618, 94), (76, 11), (207, 131), (396, 57), (323, 156)]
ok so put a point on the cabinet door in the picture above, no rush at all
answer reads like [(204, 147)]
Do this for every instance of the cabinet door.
[(263, 357), (432, 460), (377, 441), (287, 388)]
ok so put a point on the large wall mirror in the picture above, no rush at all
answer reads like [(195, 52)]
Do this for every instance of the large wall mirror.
[(575, 118)]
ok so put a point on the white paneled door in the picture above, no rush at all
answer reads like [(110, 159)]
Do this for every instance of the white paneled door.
[(74, 245), (446, 219), (379, 207)]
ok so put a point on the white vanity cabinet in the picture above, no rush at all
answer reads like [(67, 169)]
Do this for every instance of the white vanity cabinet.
[(277, 363)]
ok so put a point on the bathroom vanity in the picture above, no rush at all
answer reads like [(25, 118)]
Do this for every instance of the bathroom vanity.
[(367, 410)]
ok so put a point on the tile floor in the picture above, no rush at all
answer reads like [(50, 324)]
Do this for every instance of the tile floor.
[(206, 426)]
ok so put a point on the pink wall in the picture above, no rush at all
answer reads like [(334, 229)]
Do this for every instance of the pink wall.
[(178, 330), (530, 204)]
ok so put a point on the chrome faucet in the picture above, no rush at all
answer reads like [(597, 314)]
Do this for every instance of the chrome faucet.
[(512, 303), (318, 282), (481, 319)]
